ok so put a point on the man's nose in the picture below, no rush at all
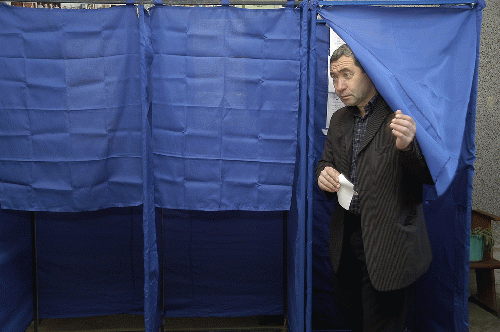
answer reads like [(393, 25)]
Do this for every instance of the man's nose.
[(340, 85)]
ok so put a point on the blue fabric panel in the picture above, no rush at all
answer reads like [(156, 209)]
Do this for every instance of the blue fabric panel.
[(310, 167), (412, 55), (70, 124), (16, 291), (90, 263), (441, 297), (296, 223), (152, 313), (223, 263), (225, 91)]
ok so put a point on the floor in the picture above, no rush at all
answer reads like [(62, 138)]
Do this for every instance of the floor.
[(480, 320), (129, 323)]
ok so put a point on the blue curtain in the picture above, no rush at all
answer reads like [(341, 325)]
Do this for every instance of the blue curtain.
[(298, 290), (222, 264), (225, 98), (225, 107), (414, 74), (78, 134), (90, 263), (16, 291), (152, 313)]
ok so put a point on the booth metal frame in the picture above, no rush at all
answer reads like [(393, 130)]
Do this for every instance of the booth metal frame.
[(484, 270)]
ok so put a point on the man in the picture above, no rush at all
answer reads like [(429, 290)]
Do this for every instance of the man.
[(379, 247)]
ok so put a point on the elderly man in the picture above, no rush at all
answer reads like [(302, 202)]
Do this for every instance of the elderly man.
[(379, 247)]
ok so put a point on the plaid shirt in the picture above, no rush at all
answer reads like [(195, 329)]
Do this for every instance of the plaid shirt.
[(358, 135)]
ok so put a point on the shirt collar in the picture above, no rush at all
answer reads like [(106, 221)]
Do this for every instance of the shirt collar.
[(368, 107)]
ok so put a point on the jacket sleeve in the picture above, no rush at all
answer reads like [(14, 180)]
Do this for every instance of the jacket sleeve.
[(327, 159), (414, 162)]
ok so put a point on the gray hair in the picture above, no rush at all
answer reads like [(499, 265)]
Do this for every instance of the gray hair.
[(345, 50)]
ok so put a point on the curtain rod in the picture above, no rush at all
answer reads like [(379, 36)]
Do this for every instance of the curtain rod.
[(173, 2), (396, 2), (273, 2)]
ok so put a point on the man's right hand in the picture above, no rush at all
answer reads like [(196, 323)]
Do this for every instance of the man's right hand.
[(328, 180)]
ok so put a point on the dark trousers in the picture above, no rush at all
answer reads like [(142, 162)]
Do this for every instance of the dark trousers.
[(361, 305)]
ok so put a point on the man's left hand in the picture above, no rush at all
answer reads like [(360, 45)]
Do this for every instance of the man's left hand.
[(404, 128)]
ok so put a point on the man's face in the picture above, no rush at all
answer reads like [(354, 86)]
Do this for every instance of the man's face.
[(352, 85)]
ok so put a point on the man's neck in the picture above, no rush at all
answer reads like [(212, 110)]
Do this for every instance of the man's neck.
[(361, 108)]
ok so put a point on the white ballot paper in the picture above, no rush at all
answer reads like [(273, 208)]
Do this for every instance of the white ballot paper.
[(345, 192)]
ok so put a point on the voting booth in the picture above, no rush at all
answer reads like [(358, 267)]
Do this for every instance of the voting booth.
[(160, 161)]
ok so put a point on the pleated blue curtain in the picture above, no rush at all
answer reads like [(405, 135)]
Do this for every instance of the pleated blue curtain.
[(89, 263), (15, 271), (222, 263), (311, 163), (413, 54), (152, 312), (70, 120), (225, 92)]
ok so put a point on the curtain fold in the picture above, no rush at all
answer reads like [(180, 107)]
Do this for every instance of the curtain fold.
[(225, 91), (412, 55), (424, 60), (222, 263), (90, 263), (70, 129), (152, 312), (16, 287)]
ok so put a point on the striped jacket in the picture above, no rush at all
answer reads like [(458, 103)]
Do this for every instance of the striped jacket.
[(390, 181)]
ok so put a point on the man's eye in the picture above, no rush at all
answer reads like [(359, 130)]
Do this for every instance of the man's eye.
[(334, 78), (348, 75)]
